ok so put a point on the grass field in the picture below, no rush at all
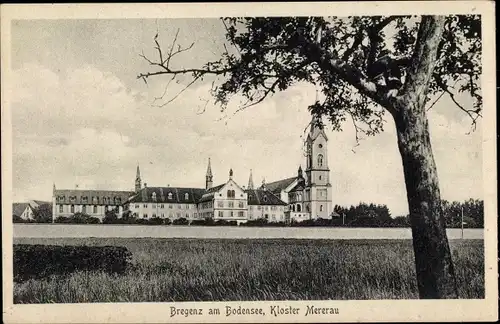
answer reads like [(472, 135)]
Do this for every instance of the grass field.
[(223, 270)]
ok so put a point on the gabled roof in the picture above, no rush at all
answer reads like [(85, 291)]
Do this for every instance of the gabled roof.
[(298, 187), (263, 197), (63, 196), (174, 195), (209, 194), (279, 185), (216, 188), (19, 208), (38, 203)]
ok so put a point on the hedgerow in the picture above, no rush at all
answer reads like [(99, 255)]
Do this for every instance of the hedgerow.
[(42, 261)]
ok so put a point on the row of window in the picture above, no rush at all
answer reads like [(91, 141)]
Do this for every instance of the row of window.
[(298, 208), (162, 206), (95, 200), (230, 204), (206, 205), (170, 215), (266, 216), (220, 204), (84, 209), (230, 214), (259, 207), (169, 196)]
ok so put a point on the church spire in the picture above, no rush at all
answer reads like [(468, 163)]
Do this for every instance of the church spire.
[(250, 180), (138, 179), (209, 176)]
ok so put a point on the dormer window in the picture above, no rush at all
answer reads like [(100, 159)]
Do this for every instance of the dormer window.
[(153, 196), (186, 196), (169, 195)]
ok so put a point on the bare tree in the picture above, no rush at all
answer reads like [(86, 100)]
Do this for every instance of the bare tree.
[(365, 66)]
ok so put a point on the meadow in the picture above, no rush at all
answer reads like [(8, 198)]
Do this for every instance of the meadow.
[(166, 270)]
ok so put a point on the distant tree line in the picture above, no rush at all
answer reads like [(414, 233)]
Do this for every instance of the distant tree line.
[(361, 215), (371, 215)]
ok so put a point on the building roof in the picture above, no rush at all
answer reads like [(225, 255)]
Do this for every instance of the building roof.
[(209, 194), (168, 195), (298, 187), (263, 197), (103, 197), (19, 208), (279, 185), (38, 203)]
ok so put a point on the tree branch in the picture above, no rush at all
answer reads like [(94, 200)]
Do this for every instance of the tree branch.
[(423, 61), (474, 114), (374, 30)]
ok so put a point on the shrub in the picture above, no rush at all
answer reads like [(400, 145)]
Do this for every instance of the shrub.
[(61, 219), (167, 221), (78, 218), (255, 222), (262, 222), (142, 221), (155, 221), (18, 219), (223, 222), (93, 220), (198, 222), (42, 261), (43, 213), (180, 221)]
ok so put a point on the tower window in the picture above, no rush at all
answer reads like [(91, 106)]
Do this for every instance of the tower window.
[(320, 160), (320, 145)]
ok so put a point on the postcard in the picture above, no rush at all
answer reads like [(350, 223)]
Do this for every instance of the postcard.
[(249, 162)]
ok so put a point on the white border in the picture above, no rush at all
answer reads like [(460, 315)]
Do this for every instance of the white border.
[(350, 311)]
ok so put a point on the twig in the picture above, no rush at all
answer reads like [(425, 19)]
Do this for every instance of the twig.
[(469, 112)]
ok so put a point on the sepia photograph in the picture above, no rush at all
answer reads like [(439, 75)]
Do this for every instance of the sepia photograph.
[(217, 165)]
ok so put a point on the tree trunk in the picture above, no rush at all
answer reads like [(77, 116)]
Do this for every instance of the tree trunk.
[(434, 267)]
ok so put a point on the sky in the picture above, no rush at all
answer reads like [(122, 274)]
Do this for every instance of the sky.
[(81, 117)]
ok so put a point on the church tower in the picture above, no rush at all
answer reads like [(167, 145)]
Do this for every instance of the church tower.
[(250, 181), (209, 176), (138, 179), (317, 196)]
